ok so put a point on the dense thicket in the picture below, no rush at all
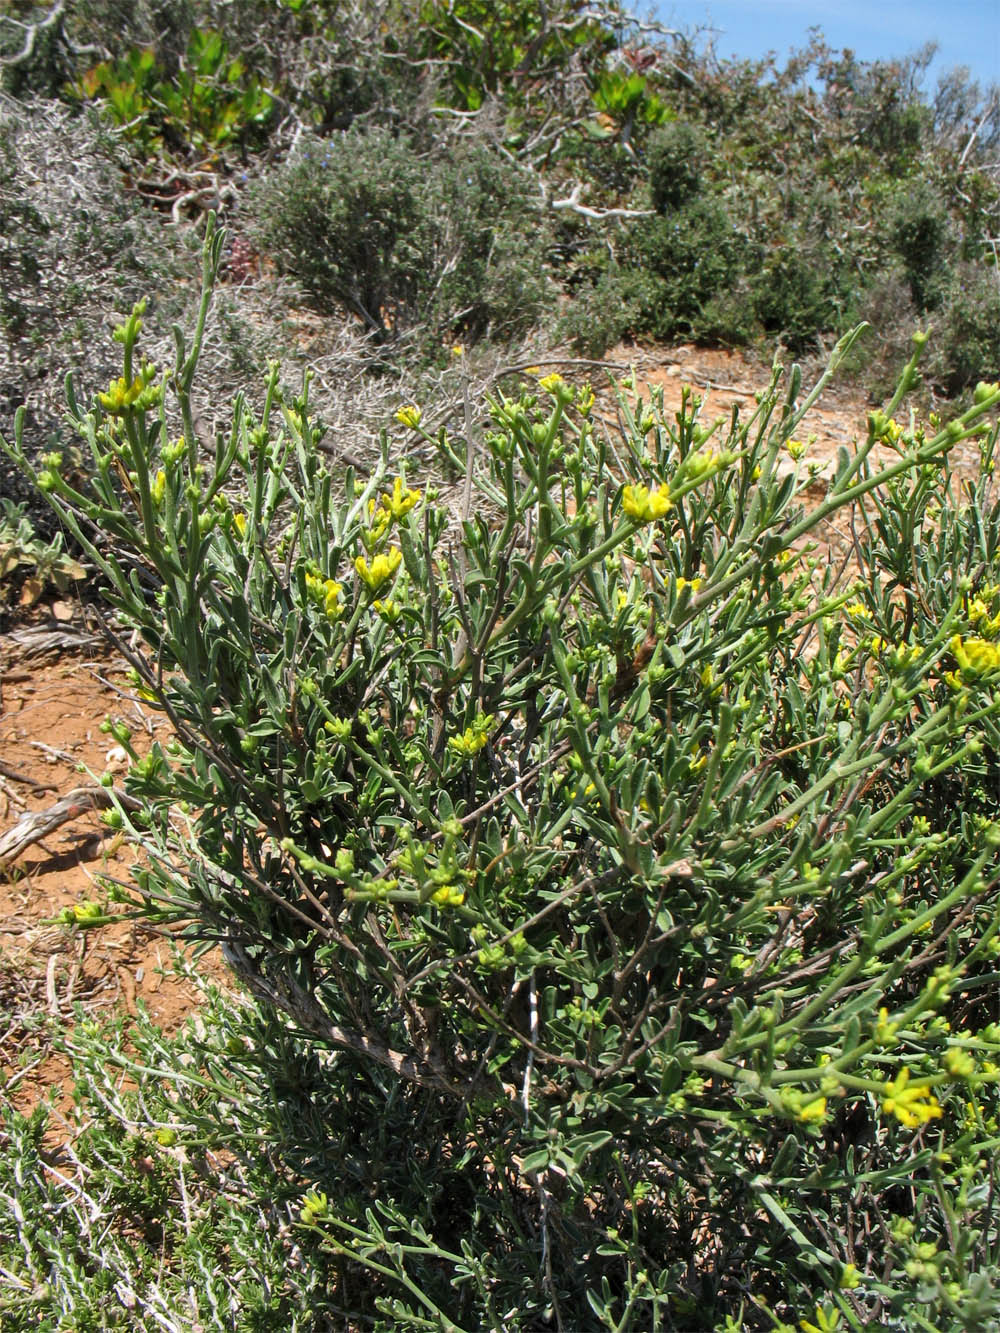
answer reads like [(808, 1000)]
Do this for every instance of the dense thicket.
[(438, 171)]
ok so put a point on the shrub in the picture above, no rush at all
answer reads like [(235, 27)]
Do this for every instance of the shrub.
[(643, 873), (164, 1228), (794, 295), (684, 262), (74, 243), (919, 234), (674, 157), (968, 346), (209, 102), (454, 243)]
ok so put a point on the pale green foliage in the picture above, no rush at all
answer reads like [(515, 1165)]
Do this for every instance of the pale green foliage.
[(639, 868)]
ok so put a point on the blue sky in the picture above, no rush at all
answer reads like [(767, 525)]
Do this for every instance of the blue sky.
[(967, 31)]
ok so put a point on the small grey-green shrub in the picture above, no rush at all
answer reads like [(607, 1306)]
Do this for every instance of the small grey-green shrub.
[(635, 875), (453, 244)]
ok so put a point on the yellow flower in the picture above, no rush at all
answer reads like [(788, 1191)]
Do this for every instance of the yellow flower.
[(448, 896), (410, 415), (855, 609), (141, 394), (885, 1032), (120, 395), (959, 1063), (315, 1205), (707, 678), (645, 506), (977, 657), (979, 616), (795, 449), (826, 1321), (693, 584), (849, 1278), (379, 520), (326, 594), (472, 738), (551, 382), (813, 1112), (381, 569), (240, 523), (401, 501), (158, 488), (912, 1106), (458, 350)]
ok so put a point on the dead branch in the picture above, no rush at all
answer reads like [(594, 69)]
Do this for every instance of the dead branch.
[(572, 202), (31, 31), (37, 824)]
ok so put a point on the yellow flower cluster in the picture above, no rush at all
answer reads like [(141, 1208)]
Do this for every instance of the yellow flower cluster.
[(979, 613), (401, 501), (378, 525), (380, 571), (448, 896), (326, 594), (315, 1206), (121, 396), (645, 506), (912, 1106), (473, 738), (812, 1113), (976, 657)]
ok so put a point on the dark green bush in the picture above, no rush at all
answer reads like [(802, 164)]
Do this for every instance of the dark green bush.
[(675, 160), (683, 263), (795, 295), (920, 235), (450, 244), (967, 330)]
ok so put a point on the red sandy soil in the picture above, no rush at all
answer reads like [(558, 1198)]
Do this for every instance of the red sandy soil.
[(51, 708)]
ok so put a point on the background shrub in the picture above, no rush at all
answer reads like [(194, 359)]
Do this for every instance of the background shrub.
[(968, 326), (683, 262), (454, 244), (674, 160), (920, 236)]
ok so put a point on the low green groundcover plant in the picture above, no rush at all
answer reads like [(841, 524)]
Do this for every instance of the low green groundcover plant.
[(633, 873)]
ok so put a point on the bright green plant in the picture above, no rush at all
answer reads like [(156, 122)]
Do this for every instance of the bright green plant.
[(210, 102), (627, 100), (645, 873), (493, 48)]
